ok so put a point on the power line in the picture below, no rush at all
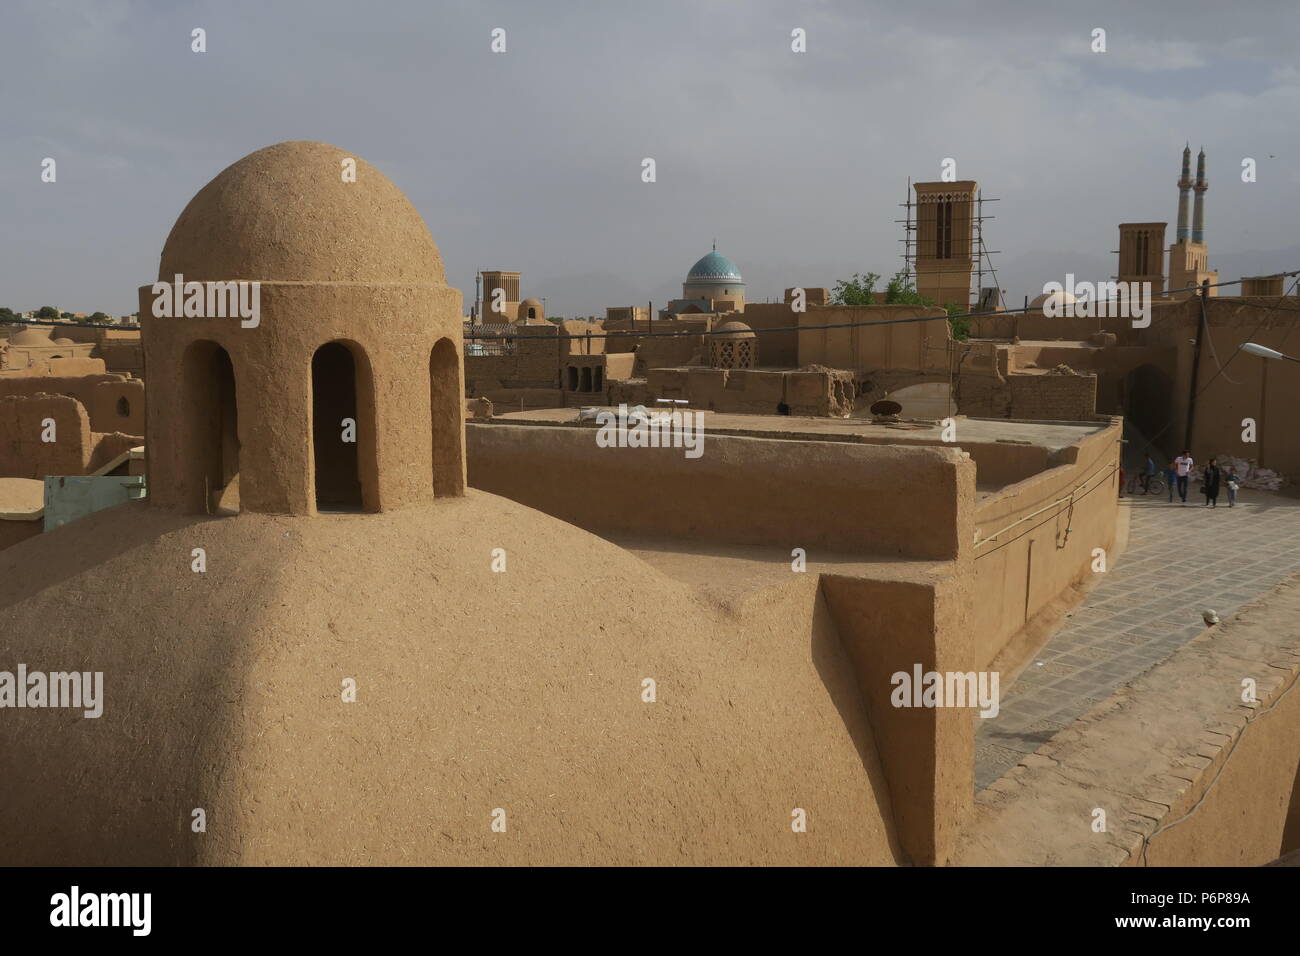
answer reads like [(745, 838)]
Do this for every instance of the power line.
[(1276, 306)]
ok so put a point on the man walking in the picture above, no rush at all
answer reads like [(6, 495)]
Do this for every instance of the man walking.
[(1148, 472), (1171, 476), (1182, 468)]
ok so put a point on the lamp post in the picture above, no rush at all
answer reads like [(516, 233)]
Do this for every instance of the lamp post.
[(1265, 352)]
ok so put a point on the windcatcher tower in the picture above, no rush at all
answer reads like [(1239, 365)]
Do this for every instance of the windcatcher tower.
[(1142, 254), (507, 283), (944, 255), (1188, 256), (357, 324)]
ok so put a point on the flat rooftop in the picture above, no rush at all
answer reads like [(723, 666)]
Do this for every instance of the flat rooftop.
[(1049, 435)]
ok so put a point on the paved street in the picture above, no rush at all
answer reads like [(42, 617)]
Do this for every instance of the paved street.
[(1180, 560)]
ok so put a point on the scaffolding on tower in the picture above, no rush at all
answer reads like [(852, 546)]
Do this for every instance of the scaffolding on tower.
[(981, 257)]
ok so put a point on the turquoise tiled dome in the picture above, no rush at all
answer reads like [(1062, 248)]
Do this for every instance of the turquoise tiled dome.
[(716, 267)]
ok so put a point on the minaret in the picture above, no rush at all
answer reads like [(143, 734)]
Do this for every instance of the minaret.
[(1188, 261), (1184, 187), (1198, 210)]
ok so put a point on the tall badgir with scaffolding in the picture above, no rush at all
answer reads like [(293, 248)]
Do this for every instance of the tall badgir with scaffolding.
[(944, 250)]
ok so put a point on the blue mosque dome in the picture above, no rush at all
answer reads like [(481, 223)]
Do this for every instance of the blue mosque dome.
[(715, 267)]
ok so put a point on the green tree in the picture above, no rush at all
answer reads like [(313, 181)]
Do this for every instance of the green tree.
[(958, 321), (899, 290), (855, 291), (98, 317), (47, 312)]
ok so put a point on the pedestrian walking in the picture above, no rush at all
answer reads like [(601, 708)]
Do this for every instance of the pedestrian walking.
[(1210, 483), (1171, 475), (1148, 472), (1182, 468), (1234, 482)]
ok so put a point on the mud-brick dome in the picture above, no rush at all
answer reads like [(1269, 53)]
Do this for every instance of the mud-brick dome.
[(287, 213), (735, 330), (31, 336)]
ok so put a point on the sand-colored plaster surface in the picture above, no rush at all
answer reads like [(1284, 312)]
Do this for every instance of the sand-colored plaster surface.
[(21, 499), (476, 690)]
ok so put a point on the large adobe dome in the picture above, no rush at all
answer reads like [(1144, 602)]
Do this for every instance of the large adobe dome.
[(31, 336), (285, 214), (475, 691)]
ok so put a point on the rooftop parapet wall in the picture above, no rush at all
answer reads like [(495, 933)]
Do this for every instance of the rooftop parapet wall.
[(901, 345), (1044, 538), (113, 402), (850, 498)]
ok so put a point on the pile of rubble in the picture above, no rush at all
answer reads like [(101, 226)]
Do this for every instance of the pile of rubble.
[(1251, 475)]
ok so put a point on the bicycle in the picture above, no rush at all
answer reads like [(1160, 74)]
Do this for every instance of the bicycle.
[(1156, 486)]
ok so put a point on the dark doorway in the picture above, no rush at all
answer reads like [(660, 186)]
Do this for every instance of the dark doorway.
[(586, 380), (1148, 404), (212, 420), (445, 408), (336, 429)]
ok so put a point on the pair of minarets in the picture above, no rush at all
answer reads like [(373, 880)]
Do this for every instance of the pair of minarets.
[(1185, 184)]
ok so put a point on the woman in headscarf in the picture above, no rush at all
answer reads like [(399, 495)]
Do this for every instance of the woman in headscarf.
[(1211, 484)]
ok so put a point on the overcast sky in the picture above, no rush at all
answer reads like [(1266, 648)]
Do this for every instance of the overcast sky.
[(531, 160)]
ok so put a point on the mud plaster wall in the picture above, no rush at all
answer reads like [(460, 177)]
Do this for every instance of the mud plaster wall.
[(776, 349), (1066, 398), (1265, 390), (756, 391), (908, 345), (1029, 565), (927, 753), (741, 490), (22, 452), (11, 532), (100, 394), (1252, 814)]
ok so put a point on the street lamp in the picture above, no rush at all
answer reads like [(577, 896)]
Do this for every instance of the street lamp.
[(1264, 352)]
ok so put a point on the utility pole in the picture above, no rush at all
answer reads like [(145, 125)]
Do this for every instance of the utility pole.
[(1196, 364)]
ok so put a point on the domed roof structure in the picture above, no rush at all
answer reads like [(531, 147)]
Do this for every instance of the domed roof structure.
[(64, 342), (533, 302), (31, 336), (462, 705), (1061, 298), (734, 330), (286, 214), (715, 266)]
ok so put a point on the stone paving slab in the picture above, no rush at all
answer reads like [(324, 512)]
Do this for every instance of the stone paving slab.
[(1180, 561)]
